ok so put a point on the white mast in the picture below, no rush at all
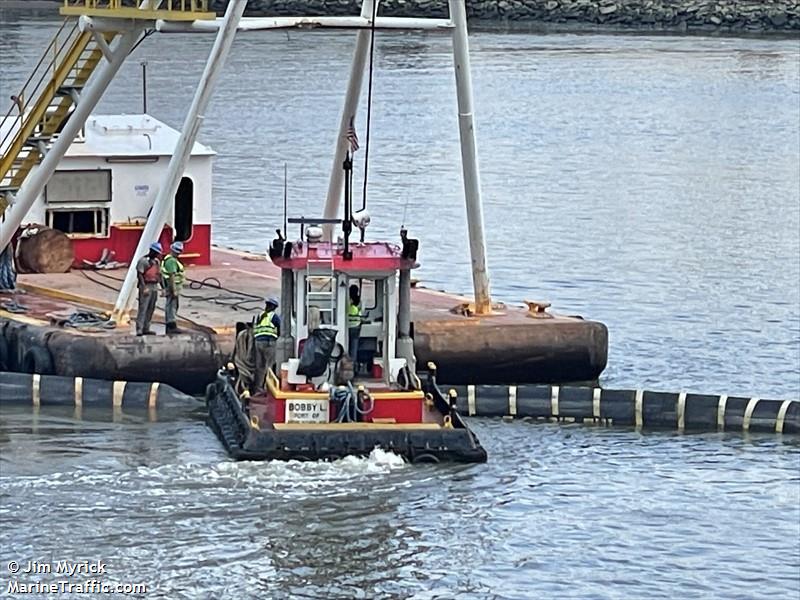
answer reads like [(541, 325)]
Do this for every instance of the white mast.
[(469, 158)]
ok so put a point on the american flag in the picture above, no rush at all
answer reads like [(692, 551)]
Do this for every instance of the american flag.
[(352, 137)]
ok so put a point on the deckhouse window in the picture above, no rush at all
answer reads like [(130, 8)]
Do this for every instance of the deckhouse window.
[(184, 205), (79, 202), (87, 222)]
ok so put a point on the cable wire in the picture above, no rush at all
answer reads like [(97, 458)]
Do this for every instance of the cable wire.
[(369, 99)]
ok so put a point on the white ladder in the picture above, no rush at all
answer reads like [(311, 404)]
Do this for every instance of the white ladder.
[(321, 289)]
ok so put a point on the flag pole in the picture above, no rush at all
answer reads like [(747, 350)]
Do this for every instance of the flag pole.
[(285, 200)]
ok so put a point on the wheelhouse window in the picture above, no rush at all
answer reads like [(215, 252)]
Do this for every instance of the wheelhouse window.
[(371, 291), (79, 202)]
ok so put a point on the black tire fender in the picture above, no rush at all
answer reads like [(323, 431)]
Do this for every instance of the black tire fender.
[(425, 458), (37, 360), (211, 392), (5, 354)]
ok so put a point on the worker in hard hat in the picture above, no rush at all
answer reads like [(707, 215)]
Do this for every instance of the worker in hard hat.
[(148, 275), (354, 320), (172, 276), (266, 332)]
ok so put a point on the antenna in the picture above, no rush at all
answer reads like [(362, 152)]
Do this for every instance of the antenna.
[(285, 200), (144, 87)]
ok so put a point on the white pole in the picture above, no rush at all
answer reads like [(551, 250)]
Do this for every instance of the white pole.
[(348, 112), (268, 23), (37, 179), (469, 158), (183, 149)]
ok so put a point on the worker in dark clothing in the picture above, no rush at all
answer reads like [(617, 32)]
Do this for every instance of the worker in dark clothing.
[(148, 275), (266, 332)]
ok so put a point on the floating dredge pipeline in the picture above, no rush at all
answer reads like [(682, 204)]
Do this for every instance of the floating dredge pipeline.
[(638, 408), (627, 408), (55, 391)]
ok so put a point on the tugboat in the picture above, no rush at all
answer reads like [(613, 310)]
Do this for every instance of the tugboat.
[(332, 397)]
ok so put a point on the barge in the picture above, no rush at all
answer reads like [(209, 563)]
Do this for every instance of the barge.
[(38, 331), (56, 322)]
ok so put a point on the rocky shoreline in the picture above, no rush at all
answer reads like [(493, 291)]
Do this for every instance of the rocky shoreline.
[(731, 16), (722, 16)]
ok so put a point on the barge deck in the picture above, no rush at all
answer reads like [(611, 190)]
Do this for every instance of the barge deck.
[(511, 346)]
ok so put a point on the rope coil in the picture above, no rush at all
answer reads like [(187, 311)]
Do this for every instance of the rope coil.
[(347, 399)]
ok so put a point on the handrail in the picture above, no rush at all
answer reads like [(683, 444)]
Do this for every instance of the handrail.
[(172, 5), (27, 95), (41, 99), (23, 93)]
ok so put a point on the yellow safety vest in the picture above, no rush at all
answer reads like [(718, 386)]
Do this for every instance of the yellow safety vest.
[(353, 316), (265, 327), (177, 273)]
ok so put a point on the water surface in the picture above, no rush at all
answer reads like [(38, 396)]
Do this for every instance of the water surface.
[(652, 183)]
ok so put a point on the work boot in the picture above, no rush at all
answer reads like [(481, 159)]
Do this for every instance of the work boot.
[(172, 328)]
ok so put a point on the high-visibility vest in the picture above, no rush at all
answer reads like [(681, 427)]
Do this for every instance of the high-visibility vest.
[(150, 274), (265, 328), (178, 275), (353, 316)]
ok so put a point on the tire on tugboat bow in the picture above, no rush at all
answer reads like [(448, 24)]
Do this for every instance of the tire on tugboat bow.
[(425, 457)]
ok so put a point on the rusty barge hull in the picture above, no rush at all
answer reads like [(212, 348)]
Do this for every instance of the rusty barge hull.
[(507, 347)]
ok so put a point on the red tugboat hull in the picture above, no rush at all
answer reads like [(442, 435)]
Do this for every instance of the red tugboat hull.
[(246, 437)]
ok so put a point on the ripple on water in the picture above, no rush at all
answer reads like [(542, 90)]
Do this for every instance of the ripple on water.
[(558, 511)]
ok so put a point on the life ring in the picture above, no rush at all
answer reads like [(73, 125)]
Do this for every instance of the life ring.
[(425, 458), (37, 360)]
